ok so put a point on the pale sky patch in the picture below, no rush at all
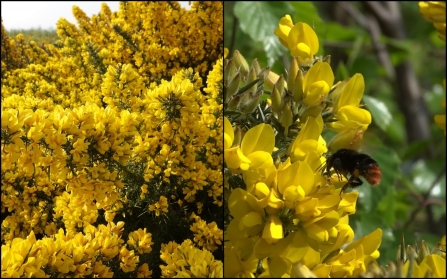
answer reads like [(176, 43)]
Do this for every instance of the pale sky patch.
[(45, 14)]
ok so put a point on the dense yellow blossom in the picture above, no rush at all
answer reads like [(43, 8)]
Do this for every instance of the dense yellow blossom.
[(122, 111), (160, 206), (287, 218), (185, 260), (77, 254), (141, 240), (206, 235)]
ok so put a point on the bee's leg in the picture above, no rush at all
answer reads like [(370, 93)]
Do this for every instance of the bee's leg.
[(340, 177), (346, 186), (337, 166), (356, 182), (352, 183)]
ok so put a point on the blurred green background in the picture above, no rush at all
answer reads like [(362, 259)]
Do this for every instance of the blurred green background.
[(403, 63)]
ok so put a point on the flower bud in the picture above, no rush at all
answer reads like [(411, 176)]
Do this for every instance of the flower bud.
[(251, 79), (234, 102), (240, 62), (251, 76), (312, 111), (250, 101), (232, 87), (439, 249), (237, 136), (280, 86), (229, 71), (272, 79), (293, 72), (298, 91), (286, 118), (374, 269), (423, 251), (263, 74), (255, 65), (277, 101), (390, 269), (401, 255)]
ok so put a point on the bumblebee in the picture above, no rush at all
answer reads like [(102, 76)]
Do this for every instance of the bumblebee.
[(353, 165)]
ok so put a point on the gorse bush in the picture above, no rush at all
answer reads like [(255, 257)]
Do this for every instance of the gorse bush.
[(112, 145), (39, 36), (285, 214)]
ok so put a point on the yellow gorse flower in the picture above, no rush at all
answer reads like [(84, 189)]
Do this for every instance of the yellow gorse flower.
[(122, 111), (300, 39), (185, 260), (160, 206), (434, 11), (285, 214)]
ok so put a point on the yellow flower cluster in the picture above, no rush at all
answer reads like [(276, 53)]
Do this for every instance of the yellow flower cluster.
[(124, 110), (10, 53), (434, 11), (300, 39), (431, 264), (421, 262), (187, 261), (128, 260), (45, 153), (413, 262), (80, 254), (160, 206), (206, 235), (143, 271), (141, 240), (287, 214), (312, 89), (71, 74)]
